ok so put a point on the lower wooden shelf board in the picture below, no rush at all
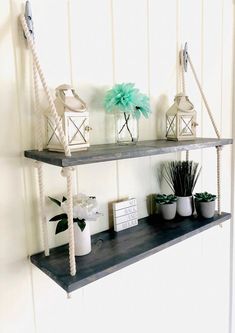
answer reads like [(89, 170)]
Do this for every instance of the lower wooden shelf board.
[(112, 251)]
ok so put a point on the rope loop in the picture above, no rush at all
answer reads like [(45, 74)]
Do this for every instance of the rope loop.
[(66, 171)]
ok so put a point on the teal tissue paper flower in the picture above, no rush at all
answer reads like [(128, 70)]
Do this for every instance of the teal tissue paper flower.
[(126, 98), (142, 106)]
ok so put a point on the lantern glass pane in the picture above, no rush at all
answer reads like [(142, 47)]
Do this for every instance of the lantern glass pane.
[(76, 129), (52, 132), (185, 125), (171, 125)]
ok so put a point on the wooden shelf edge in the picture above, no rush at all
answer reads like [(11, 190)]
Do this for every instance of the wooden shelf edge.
[(122, 249), (111, 152)]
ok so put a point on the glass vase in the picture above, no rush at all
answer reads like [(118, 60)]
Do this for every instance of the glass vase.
[(127, 131)]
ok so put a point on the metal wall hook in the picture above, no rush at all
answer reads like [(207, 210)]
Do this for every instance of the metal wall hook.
[(185, 57), (28, 17)]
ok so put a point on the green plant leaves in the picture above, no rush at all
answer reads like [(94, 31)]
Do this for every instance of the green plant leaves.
[(204, 197), (57, 202), (62, 225), (81, 223), (163, 199), (58, 217)]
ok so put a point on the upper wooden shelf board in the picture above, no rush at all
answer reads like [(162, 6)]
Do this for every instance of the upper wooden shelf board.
[(110, 152), (112, 251)]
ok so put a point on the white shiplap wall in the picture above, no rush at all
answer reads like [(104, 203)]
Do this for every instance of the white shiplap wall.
[(94, 44)]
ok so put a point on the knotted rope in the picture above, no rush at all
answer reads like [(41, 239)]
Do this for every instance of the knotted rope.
[(56, 118), (67, 172), (39, 138), (39, 166)]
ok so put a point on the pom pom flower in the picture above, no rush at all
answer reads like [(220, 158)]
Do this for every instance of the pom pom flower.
[(128, 99)]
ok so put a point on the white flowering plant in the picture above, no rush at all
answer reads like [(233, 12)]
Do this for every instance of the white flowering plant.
[(84, 208)]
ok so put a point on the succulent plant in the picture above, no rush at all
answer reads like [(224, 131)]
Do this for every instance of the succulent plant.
[(163, 199), (204, 197)]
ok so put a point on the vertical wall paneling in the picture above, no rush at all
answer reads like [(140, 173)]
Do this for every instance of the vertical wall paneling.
[(212, 76), (15, 281), (192, 33), (215, 270), (93, 44), (232, 229), (52, 40), (54, 312), (226, 98), (131, 48), (92, 62), (131, 65), (162, 17), (163, 73), (99, 180), (137, 171)]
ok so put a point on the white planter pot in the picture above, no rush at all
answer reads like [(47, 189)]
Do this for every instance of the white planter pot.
[(82, 239), (184, 206)]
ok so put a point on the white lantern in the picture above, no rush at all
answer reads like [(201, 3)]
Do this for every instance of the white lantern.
[(181, 120), (74, 118)]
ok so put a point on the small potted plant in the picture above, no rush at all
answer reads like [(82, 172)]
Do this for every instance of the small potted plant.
[(167, 205), (85, 209), (205, 204), (129, 104), (182, 177)]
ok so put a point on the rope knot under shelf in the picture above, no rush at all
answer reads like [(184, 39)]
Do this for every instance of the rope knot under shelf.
[(66, 171)]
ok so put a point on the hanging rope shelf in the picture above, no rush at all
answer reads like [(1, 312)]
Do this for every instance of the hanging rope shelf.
[(90, 156)]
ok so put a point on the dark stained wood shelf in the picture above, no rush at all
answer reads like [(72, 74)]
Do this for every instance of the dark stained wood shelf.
[(112, 251), (110, 152)]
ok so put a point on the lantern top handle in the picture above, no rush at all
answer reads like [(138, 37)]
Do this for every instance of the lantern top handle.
[(28, 17), (185, 56)]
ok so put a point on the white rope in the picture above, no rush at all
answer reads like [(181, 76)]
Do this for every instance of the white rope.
[(67, 172), (218, 155), (39, 126), (204, 98), (182, 70), (45, 86), (39, 166), (218, 149), (39, 138), (183, 86)]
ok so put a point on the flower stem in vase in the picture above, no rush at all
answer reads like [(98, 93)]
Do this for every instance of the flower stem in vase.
[(127, 126)]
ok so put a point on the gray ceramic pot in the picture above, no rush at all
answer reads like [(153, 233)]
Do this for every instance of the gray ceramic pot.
[(205, 209), (168, 211)]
